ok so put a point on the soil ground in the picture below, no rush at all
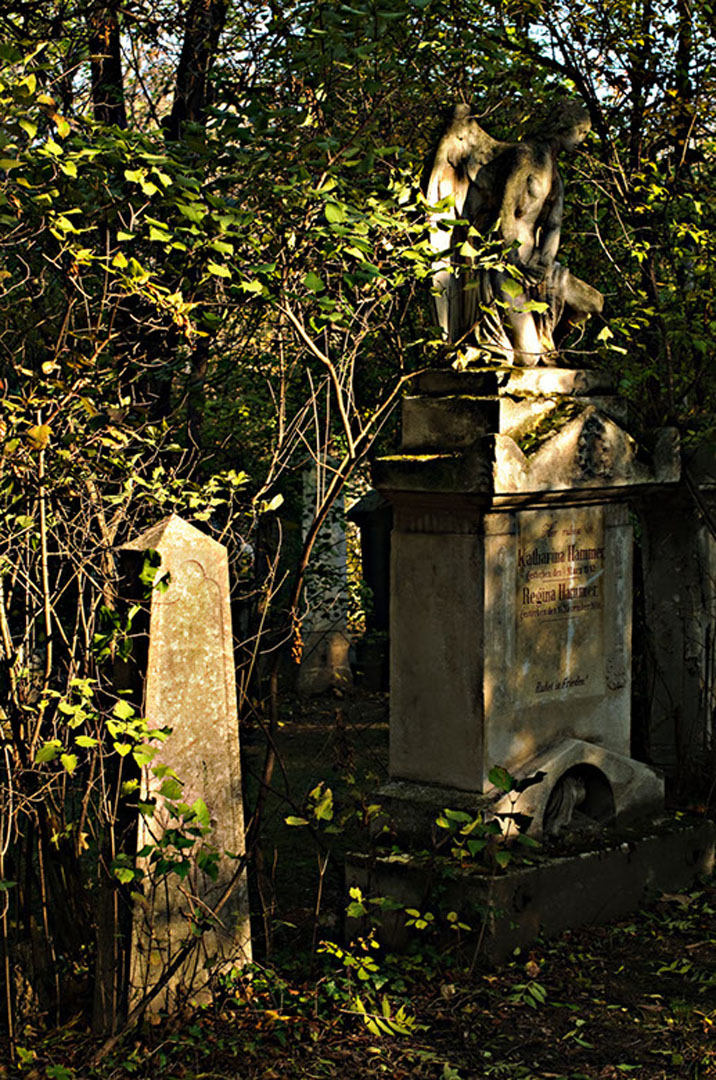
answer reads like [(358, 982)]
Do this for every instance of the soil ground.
[(633, 999)]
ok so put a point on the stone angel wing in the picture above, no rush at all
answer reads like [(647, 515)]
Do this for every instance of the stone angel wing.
[(462, 152)]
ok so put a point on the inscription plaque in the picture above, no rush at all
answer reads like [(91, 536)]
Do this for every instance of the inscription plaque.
[(560, 603)]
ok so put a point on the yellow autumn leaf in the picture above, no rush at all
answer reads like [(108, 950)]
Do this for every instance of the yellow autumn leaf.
[(39, 436)]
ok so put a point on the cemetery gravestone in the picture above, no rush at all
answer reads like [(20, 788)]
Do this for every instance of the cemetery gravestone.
[(324, 626), (511, 566), (511, 597), (189, 686)]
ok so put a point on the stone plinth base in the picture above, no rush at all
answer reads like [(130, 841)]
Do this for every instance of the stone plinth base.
[(546, 898), (606, 789)]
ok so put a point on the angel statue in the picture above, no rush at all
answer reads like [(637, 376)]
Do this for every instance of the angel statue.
[(517, 305)]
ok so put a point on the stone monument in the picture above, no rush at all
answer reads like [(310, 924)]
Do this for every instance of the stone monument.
[(511, 552), (511, 587), (512, 301), (189, 686)]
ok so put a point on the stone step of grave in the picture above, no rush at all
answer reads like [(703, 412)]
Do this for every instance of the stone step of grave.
[(520, 382), (557, 893), (454, 422)]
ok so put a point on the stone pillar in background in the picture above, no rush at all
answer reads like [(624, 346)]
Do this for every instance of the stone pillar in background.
[(373, 515), (189, 686), (324, 627), (679, 577)]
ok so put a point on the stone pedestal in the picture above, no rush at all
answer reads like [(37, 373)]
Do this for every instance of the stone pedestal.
[(189, 926), (511, 582)]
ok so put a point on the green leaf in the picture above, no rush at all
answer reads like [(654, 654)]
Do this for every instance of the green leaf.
[(193, 213), (202, 813), (170, 788), (335, 214), (217, 270), (290, 820), (269, 505), (512, 287), (123, 710), (48, 752), (63, 128), (313, 282), (501, 779), (69, 761)]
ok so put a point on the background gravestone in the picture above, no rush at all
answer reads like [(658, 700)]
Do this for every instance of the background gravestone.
[(324, 624), (189, 686)]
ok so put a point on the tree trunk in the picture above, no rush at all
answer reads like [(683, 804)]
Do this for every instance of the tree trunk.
[(106, 64), (204, 22)]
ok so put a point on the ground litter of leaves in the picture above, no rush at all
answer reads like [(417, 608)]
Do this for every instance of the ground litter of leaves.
[(630, 999)]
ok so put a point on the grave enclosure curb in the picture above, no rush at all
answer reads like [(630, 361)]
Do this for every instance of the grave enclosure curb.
[(555, 894)]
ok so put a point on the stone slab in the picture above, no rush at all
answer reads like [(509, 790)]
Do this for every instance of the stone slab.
[(551, 896), (447, 423), (190, 687), (555, 666), (590, 454), (436, 643), (324, 617), (618, 789), (475, 381)]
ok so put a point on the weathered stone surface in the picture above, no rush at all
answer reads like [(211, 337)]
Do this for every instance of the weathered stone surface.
[(678, 558), (446, 453), (512, 190), (446, 423), (590, 451), (492, 661), (190, 688), (572, 382), (557, 647), (597, 886), (618, 788), (469, 471), (515, 382), (436, 645), (511, 624)]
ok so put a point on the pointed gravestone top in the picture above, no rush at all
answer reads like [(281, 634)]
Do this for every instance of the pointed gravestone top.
[(172, 531)]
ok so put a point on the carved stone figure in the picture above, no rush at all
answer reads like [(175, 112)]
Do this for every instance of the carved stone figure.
[(512, 300), (569, 793)]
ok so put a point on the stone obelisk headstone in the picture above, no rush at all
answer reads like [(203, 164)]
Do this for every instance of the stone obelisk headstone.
[(189, 687)]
